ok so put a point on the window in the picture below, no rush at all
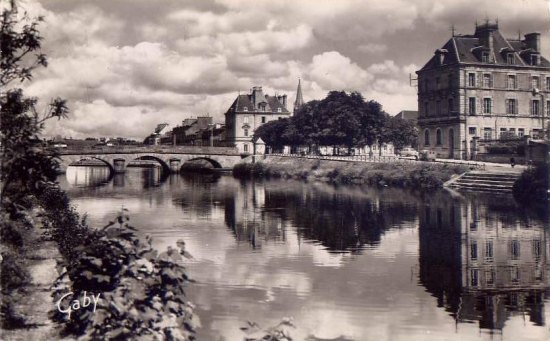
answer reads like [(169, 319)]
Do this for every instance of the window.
[(502, 132), (263, 118), (487, 133), (473, 250), (438, 139), (511, 106), (426, 137), (514, 274), (536, 247), (279, 110), (490, 275), (426, 85), (489, 249), (510, 58), (426, 111), (437, 82), (450, 80), (514, 249), (474, 273), (535, 107), (487, 80), (450, 104), (472, 105), (535, 82), (521, 132), (438, 108), (547, 83), (246, 132), (512, 131), (245, 109), (245, 120), (485, 57), (472, 130), (512, 81), (471, 79), (547, 109), (487, 105), (245, 147)]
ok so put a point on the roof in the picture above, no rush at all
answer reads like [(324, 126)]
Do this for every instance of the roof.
[(245, 101), (466, 49), (408, 114)]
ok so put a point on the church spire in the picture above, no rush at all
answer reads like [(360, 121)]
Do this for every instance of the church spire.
[(299, 98)]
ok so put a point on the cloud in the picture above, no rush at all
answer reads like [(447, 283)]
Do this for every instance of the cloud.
[(178, 59), (331, 70)]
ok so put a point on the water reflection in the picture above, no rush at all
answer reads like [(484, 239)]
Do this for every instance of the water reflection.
[(88, 176), (484, 260), (346, 262)]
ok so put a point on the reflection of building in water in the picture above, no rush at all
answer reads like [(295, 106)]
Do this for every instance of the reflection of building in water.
[(481, 263), (89, 175), (245, 214)]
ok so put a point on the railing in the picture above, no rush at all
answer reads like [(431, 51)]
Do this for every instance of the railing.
[(381, 158)]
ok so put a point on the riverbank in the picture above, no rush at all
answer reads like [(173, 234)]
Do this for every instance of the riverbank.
[(411, 175)]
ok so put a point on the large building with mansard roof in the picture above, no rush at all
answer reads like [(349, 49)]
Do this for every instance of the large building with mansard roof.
[(250, 111), (480, 86)]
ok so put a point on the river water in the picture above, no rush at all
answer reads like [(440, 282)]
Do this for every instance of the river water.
[(346, 263)]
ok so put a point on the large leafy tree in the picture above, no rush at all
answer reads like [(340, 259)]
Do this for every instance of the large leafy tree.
[(26, 160), (401, 133)]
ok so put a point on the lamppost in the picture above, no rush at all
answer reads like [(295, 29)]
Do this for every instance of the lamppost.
[(542, 109)]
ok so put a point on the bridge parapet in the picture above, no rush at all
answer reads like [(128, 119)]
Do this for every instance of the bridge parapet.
[(206, 150)]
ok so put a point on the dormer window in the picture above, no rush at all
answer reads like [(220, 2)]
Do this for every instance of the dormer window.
[(510, 58), (245, 109), (279, 110), (535, 59), (485, 57)]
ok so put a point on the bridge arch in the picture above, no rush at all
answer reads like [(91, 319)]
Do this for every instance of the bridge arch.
[(75, 160), (213, 162), (163, 164)]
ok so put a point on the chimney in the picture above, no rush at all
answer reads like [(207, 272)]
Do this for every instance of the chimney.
[(532, 41), (284, 101), (257, 96), (485, 34)]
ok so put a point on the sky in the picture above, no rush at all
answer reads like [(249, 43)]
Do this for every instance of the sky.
[(126, 65)]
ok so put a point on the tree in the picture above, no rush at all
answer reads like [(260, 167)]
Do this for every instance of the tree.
[(27, 161), (27, 164), (400, 133), (272, 133)]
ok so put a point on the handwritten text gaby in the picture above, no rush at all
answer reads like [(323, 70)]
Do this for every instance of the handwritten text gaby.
[(65, 305)]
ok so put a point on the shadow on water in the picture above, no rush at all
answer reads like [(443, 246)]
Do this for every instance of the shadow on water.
[(484, 259)]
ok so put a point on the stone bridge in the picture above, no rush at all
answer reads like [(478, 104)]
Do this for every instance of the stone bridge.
[(170, 158)]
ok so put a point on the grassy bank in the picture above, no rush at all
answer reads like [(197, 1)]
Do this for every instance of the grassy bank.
[(413, 175)]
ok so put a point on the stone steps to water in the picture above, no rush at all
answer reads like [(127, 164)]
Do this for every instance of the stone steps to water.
[(485, 181)]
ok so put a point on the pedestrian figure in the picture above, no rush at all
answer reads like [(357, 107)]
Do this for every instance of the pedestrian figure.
[(512, 162)]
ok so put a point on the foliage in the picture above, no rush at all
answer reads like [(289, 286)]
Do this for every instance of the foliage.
[(278, 332), (401, 133), (398, 174), (142, 292), (532, 186), (341, 119), (26, 162)]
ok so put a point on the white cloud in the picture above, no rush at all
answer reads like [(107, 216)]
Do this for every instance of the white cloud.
[(331, 70)]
